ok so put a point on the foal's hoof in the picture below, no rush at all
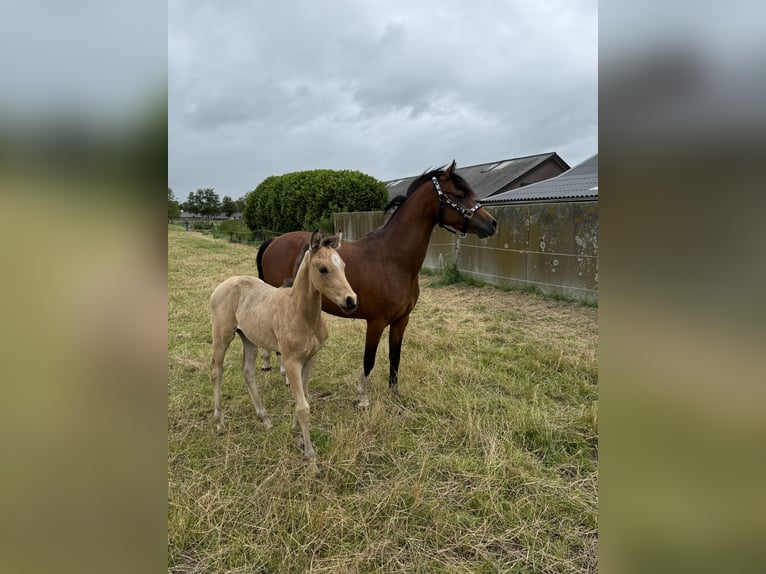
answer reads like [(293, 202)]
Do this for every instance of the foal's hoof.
[(220, 429), (267, 424), (265, 369), (363, 404), (318, 472)]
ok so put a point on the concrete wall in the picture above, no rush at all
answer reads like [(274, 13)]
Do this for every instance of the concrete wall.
[(358, 224), (551, 246)]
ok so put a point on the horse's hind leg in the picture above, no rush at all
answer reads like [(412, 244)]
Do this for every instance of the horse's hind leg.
[(221, 340), (248, 368)]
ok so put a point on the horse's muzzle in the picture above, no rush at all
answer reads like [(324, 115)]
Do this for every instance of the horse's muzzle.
[(349, 305), (487, 229)]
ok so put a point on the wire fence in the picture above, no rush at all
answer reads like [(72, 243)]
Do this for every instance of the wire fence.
[(235, 231)]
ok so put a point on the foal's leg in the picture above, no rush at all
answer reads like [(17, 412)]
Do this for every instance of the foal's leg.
[(221, 340), (282, 369), (248, 367), (266, 360), (395, 336), (308, 368), (374, 331), (294, 370)]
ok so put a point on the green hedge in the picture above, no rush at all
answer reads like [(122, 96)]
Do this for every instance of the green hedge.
[(308, 199)]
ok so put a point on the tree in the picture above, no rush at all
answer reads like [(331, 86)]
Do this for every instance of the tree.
[(228, 206), (240, 204), (193, 203), (308, 199), (209, 203), (174, 209)]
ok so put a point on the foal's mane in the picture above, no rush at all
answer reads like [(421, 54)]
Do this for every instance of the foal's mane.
[(399, 200)]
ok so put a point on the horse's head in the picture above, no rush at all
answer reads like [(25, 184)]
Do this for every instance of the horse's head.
[(458, 206), (327, 271)]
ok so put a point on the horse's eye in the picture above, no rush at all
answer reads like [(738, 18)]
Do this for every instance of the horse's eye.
[(323, 270)]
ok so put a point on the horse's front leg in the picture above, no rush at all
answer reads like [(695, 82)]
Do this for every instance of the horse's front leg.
[(395, 336), (308, 368), (374, 331), (306, 371), (294, 369)]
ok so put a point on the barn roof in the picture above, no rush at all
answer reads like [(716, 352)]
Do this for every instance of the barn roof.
[(578, 183), (487, 179)]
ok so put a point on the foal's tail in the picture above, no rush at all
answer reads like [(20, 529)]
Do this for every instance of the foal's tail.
[(259, 257)]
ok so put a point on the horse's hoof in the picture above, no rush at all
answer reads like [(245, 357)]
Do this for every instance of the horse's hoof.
[(220, 429), (318, 472), (267, 424), (363, 404), (265, 369)]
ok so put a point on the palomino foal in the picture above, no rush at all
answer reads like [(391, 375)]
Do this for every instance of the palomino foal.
[(286, 319)]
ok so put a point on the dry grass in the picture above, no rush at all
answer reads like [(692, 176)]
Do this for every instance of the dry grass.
[(486, 462)]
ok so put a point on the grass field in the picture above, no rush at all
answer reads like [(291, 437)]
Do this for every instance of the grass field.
[(486, 462)]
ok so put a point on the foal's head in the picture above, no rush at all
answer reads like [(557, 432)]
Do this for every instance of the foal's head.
[(327, 271)]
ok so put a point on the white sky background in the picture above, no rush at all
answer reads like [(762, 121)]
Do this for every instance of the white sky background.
[(386, 88)]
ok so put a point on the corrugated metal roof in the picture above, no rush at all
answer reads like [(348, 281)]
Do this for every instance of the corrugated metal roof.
[(580, 182), (486, 178)]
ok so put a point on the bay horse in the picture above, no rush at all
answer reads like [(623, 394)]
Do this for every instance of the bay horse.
[(383, 266), (287, 319)]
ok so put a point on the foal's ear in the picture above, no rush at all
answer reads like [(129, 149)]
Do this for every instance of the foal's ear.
[(316, 241), (450, 170), (333, 241)]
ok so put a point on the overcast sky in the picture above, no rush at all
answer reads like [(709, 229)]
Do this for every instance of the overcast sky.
[(388, 88)]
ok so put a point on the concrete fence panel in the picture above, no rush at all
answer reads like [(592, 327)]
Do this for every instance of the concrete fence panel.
[(550, 246)]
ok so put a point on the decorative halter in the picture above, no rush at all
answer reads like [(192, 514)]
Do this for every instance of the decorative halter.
[(445, 200)]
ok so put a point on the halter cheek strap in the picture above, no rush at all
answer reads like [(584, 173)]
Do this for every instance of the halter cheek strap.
[(445, 200)]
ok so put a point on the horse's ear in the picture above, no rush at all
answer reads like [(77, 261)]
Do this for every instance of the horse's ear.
[(316, 241), (450, 170), (332, 240)]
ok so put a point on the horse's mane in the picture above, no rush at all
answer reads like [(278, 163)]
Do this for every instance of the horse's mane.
[(297, 265), (426, 176)]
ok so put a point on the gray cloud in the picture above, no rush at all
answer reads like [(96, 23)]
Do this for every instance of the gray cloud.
[(257, 90)]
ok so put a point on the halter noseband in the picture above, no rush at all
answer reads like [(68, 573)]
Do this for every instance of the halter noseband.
[(444, 199)]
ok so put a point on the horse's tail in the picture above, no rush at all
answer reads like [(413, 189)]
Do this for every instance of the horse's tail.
[(259, 257)]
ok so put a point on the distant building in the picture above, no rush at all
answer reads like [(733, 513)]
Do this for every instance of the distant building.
[(578, 184), (491, 179)]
